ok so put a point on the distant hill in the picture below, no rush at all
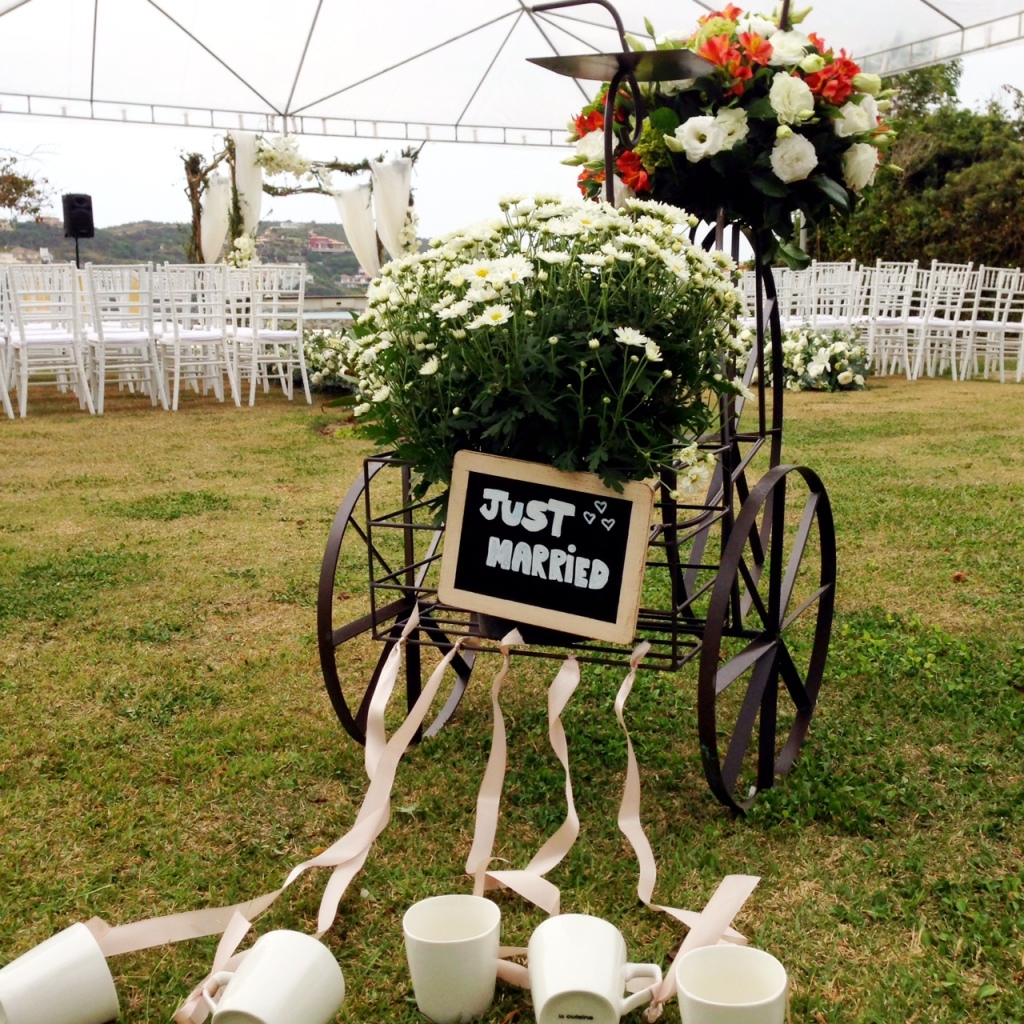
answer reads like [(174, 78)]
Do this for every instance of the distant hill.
[(145, 241)]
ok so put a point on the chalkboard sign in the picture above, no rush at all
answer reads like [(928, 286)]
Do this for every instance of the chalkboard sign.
[(535, 545)]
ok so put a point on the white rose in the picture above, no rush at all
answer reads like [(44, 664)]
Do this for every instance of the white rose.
[(733, 121), (870, 104), (794, 158), (591, 147), (846, 377), (788, 48), (699, 137), (756, 23), (859, 164), (853, 120), (791, 98)]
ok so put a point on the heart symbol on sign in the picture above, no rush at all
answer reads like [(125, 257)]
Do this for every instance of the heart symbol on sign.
[(607, 523), (590, 517), (601, 506)]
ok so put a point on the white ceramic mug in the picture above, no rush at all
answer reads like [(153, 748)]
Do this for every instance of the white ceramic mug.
[(64, 980), (579, 970), (730, 984), (452, 943), (286, 978)]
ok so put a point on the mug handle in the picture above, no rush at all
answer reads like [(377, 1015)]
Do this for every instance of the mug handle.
[(218, 980), (652, 971)]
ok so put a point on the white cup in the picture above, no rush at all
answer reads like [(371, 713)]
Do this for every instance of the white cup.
[(730, 984), (452, 943), (578, 971), (64, 980), (286, 978)]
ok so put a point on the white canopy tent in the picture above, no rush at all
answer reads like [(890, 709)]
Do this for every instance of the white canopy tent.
[(80, 77), (447, 70)]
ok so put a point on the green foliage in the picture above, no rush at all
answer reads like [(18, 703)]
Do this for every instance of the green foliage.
[(954, 188), (21, 194)]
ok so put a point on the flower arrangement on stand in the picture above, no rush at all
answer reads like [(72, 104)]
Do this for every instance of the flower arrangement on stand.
[(243, 252), (574, 334), (815, 360), (325, 351), (783, 124)]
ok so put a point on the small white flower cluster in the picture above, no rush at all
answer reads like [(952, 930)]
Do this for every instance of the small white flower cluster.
[(281, 156), (325, 358), (693, 471), (604, 323), (243, 252), (408, 238), (816, 360)]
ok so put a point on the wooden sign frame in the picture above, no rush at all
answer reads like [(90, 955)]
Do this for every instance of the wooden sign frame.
[(539, 546)]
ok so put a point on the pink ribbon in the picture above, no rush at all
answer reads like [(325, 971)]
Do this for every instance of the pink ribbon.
[(710, 925), (528, 882)]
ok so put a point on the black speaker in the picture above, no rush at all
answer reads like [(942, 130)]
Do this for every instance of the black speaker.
[(78, 216)]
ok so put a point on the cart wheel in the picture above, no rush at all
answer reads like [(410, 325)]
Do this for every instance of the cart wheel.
[(769, 623), (344, 610)]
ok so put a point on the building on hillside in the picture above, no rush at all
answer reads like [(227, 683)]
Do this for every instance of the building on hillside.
[(358, 280), (51, 222), (321, 243)]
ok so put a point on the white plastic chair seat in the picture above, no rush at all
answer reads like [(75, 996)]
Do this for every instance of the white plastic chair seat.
[(245, 333)]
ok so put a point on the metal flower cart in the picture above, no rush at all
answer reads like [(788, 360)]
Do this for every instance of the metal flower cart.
[(741, 583)]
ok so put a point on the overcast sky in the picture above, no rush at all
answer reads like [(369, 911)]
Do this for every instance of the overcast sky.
[(134, 172)]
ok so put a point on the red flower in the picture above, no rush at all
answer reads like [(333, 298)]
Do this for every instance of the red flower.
[(834, 83), (631, 170), (730, 13), (586, 176), (741, 74), (759, 51), (819, 44), (587, 123), (718, 51)]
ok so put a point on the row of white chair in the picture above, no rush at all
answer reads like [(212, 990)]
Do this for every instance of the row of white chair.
[(150, 330), (916, 320)]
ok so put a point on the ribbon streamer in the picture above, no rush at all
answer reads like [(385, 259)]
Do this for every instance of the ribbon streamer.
[(706, 928), (528, 882)]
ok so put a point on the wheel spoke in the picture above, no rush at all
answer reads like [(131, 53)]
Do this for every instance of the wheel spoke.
[(797, 554), (736, 666), (753, 595), (740, 741), (813, 599), (791, 677)]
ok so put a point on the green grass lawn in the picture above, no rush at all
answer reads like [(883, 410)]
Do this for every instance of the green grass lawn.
[(167, 743)]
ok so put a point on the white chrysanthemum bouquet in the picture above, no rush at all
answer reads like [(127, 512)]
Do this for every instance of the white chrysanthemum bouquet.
[(573, 334)]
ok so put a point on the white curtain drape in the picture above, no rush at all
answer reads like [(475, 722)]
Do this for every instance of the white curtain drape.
[(216, 211), (248, 179), (356, 213), (392, 183)]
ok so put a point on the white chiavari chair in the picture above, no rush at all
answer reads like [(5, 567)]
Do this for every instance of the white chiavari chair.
[(935, 333), (266, 305), (120, 335), (892, 290), (192, 331), (6, 353), (46, 342)]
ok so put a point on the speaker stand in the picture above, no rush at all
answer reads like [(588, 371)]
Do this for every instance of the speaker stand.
[(78, 263)]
